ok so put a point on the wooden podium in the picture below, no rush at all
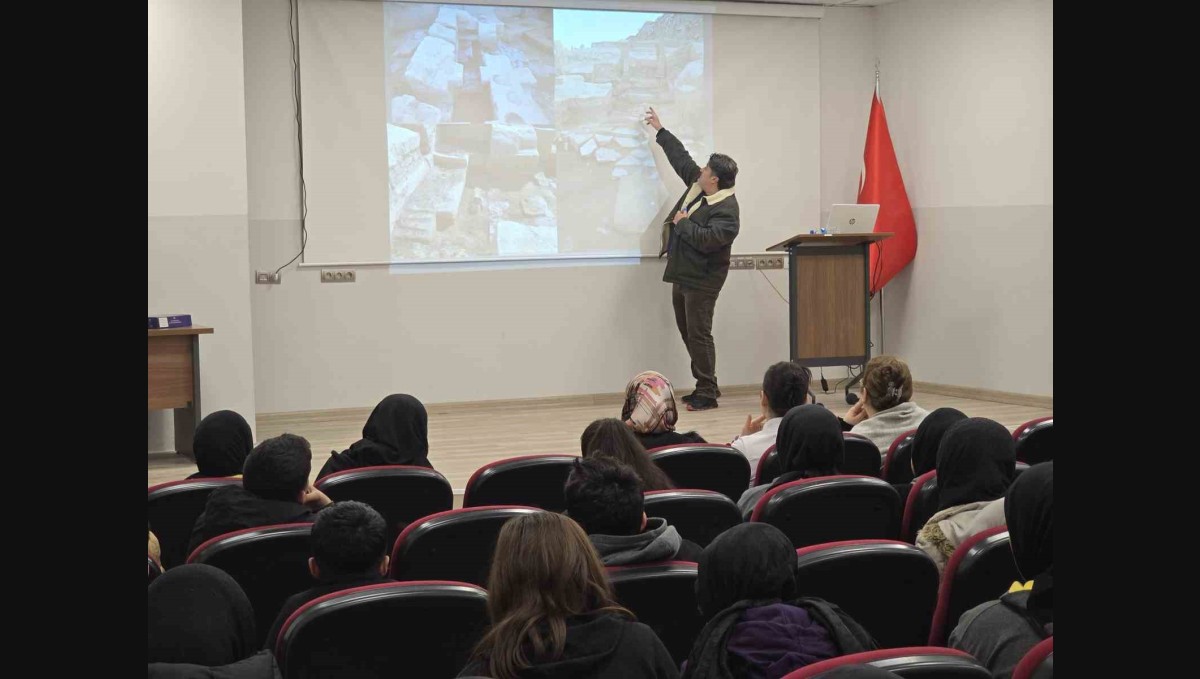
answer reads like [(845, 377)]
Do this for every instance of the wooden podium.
[(829, 300), (173, 369)]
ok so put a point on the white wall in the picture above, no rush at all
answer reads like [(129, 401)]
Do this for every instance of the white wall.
[(198, 250), (968, 90), (196, 120), (847, 83)]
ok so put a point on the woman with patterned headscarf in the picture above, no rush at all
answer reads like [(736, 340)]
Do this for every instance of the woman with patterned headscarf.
[(651, 413)]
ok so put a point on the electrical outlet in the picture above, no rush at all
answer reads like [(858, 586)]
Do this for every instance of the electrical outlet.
[(740, 262), (774, 262), (266, 277), (337, 275)]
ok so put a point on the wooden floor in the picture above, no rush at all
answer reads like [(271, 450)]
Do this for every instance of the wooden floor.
[(463, 438)]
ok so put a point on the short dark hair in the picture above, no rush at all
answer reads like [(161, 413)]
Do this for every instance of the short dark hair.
[(278, 468), (786, 386), (724, 168), (348, 538), (605, 497)]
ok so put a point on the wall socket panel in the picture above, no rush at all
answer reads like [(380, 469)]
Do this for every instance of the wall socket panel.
[(337, 275), (741, 262), (266, 277), (772, 262)]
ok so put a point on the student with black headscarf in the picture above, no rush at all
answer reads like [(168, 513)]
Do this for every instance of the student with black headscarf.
[(922, 452), (221, 444), (757, 625), (929, 437), (809, 444), (999, 633), (396, 433), (976, 462), (199, 624)]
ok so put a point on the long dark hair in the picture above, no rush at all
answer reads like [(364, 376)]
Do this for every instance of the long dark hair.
[(544, 571), (613, 439)]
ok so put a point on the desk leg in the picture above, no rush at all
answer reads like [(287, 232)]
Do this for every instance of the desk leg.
[(185, 430), (855, 381), (186, 419)]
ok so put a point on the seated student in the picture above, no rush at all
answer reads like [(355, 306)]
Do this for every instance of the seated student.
[(605, 498), (650, 412), (199, 625), (925, 446), (758, 625), (396, 433), (274, 490), (553, 613), (784, 386), (809, 444), (923, 449), (222, 441), (929, 437), (610, 438), (999, 633), (884, 411), (349, 549), (976, 463)]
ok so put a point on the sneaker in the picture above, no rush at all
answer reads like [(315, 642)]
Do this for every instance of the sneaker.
[(702, 403), (692, 396)]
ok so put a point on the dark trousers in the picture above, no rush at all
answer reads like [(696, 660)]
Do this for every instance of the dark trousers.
[(694, 316)]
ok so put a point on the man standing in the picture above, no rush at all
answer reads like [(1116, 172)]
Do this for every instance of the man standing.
[(697, 240)]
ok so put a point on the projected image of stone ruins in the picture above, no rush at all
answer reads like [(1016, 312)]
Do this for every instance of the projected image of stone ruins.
[(606, 172), (485, 142)]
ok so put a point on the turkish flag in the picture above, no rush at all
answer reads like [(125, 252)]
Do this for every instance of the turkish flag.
[(881, 183)]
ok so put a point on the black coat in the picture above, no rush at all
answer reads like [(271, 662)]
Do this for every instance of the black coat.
[(668, 438), (259, 666), (231, 508), (699, 245), (295, 601)]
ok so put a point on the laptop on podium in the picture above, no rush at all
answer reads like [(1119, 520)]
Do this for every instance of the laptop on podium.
[(852, 218)]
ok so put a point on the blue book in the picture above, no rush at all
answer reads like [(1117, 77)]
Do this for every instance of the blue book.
[(171, 321)]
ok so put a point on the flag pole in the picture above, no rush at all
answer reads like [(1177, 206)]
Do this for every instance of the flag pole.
[(881, 352)]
